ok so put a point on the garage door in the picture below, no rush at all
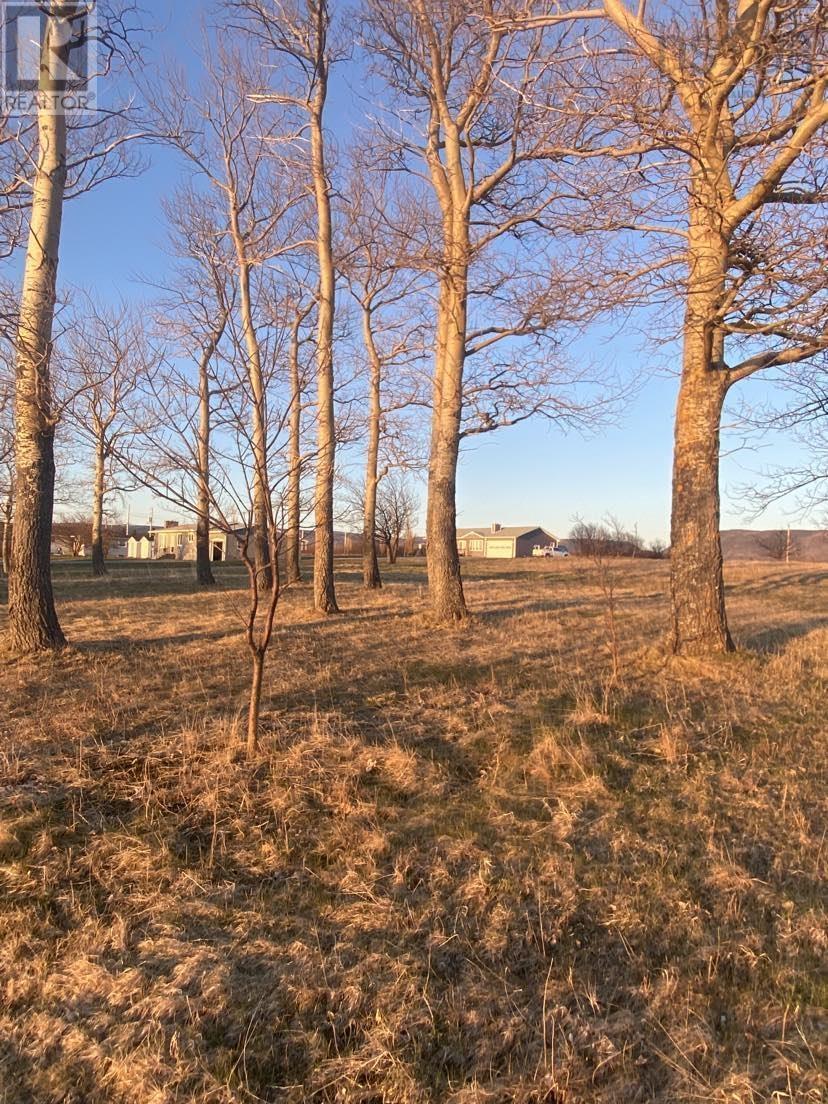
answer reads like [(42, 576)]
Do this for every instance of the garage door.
[(499, 549)]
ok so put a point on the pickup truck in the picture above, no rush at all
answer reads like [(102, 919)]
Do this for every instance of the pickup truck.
[(556, 551)]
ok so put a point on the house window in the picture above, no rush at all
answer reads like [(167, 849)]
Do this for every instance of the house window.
[(190, 538), (180, 541), (475, 545)]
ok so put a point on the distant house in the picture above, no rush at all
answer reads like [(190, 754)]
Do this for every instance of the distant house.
[(140, 547), (138, 542), (471, 542), (503, 542), (137, 531), (178, 542), (345, 542)]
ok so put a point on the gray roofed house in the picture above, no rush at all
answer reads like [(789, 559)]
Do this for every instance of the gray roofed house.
[(503, 542)]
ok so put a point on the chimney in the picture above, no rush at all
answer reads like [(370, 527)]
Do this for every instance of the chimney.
[(170, 524), (495, 527)]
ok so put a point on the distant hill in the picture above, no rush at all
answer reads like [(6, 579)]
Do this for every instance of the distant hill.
[(810, 545)]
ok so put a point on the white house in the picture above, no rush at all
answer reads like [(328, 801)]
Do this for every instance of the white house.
[(178, 542), (140, 547)]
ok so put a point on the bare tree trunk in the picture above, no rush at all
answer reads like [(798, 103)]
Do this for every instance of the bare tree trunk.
[(699, 624), (324, 592), (98, 559), (393, 549), (6, 542), (371, 577), (293, 536), (204, 571), (259, 636), (255, 704), (261, 512), (33, 620), (445, 582)]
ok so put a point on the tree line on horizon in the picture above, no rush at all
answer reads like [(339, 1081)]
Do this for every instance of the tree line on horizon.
[(520, 172)]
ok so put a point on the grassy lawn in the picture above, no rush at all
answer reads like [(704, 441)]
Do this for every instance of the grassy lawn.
[(469, 865)]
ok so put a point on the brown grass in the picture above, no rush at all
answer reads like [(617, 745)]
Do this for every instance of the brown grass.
[(466, 867)]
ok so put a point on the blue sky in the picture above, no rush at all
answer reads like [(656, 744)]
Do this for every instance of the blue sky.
[(529, 474)]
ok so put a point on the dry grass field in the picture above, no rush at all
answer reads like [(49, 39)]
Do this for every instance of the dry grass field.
[(467, 866)]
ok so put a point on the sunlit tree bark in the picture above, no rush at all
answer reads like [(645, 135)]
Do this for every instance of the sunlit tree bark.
[(324, 590), (296, 35), (99, 145), (293, 505), (33, 619), (748, 112), (469, 84)]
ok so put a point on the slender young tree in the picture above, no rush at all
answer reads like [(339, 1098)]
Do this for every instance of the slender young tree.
[(396, 511), (302, 309), (204, 571), (385, 288), (160, 455), (8, 513)]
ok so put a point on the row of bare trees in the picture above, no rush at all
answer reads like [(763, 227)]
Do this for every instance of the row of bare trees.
[(701, 133), (522, 171)]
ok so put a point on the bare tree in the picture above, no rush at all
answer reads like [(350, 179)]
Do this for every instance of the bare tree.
[(607, 539), (718, 116), (97, 151), (194, 316), (294, 36), (470, 93), (384, 286), (604, 543), (8, 510), (231, 142), (161, 457), (396, 512), (6, 471), (779, 544), (302, 307), (105, 361)]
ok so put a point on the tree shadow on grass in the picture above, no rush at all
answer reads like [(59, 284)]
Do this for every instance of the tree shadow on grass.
[(773, 640), (793, 577)]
